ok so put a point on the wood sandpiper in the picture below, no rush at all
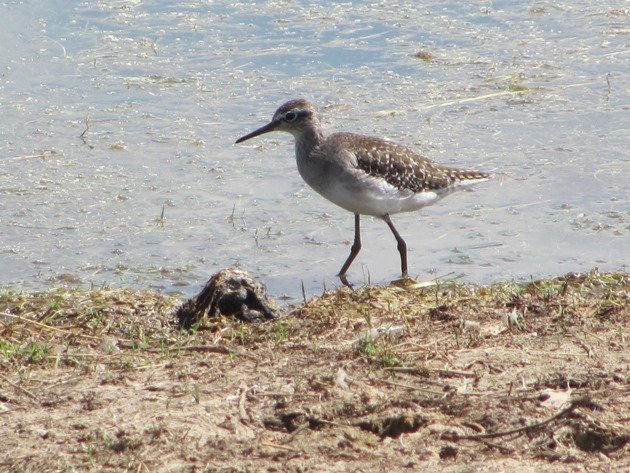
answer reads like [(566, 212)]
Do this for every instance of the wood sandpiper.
[(364, 175)]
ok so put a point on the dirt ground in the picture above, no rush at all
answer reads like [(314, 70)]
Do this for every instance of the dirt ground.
[(456, 378)]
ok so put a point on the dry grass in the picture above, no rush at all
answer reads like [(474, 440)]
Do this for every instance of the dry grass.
[(528, 377)]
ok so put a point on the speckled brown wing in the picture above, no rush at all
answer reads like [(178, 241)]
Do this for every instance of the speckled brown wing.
[(402, 168)]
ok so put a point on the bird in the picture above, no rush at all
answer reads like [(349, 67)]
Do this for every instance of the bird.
[(364, 175)]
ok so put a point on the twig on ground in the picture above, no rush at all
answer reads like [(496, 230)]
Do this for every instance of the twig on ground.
[(422, 370), (20, 388), (465, 374), (245, 418), (198, 348), (432, 343), (492, 369), (481, 437), (416, 388), (497, 446), (582, 343), (50, 327), (69, 379), (281, 447)]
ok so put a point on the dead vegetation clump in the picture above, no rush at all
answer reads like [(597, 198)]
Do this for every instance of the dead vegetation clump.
[(525, 376)]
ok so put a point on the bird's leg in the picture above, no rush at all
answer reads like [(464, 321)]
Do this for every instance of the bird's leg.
[(402, 247), (354, 251)]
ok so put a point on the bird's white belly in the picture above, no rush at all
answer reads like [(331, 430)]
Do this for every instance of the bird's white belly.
[(375, 197)]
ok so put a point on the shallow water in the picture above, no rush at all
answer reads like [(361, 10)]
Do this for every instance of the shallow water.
[(117, 162)]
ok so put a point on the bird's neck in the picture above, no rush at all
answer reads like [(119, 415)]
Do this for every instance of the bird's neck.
[(307, 141)]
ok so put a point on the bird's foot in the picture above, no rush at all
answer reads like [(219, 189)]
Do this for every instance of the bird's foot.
[(406, 282), (344, 281)]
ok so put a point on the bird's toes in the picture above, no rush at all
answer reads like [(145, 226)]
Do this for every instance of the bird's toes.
[(344, 281), (408, 283)]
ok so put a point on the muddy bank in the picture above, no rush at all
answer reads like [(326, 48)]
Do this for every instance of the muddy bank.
[(528, 377)]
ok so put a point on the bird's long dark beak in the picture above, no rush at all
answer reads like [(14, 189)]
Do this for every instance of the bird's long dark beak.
[(263, 129)]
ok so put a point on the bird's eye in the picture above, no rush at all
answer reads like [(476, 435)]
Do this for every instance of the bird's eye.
[(290, 116)]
